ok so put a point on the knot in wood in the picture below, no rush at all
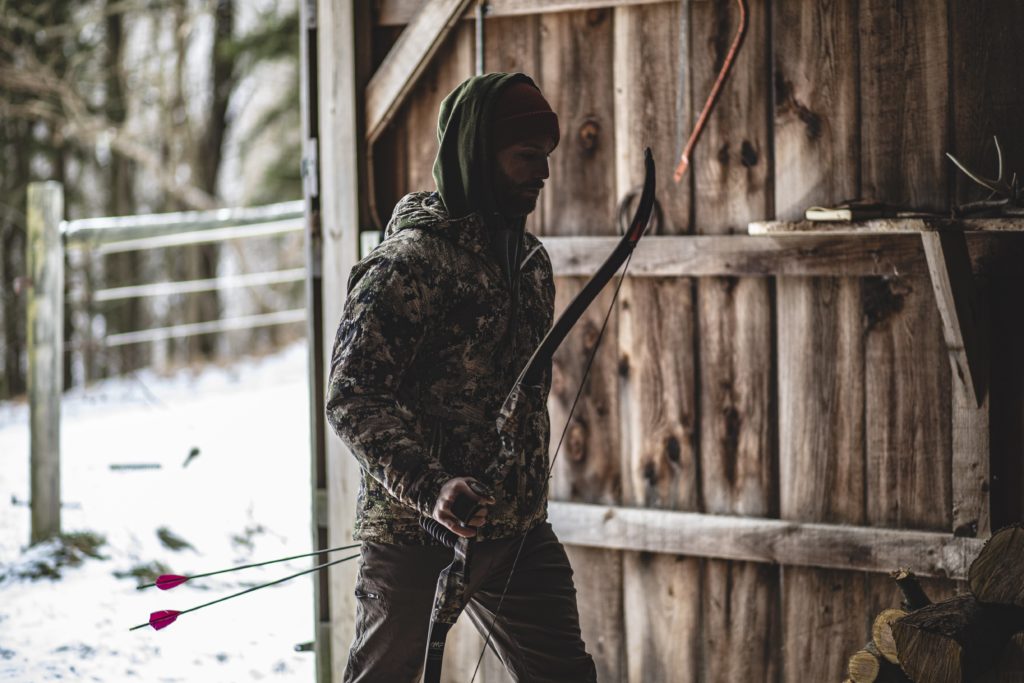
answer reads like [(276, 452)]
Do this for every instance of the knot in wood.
[(591, 333), (589, 131), (576, 447), (596, 17)]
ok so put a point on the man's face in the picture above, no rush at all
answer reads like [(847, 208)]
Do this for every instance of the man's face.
[(519, 174)]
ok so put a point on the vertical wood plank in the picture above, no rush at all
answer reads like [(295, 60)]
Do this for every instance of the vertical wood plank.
[(343, 57), (821, 458), (904, 105), (575, 74), (657, 374), (908, 407), (904, 96), (44, 263), (588, 470), (732, 179), (660, 469), (820, 338), (652, 104), (576, 77)]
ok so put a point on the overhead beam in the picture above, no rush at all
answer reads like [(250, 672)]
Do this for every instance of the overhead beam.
[(401, 12), (409, 56), (793, 544)]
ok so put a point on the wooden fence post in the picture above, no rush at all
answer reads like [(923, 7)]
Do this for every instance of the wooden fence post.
[(45, 325)]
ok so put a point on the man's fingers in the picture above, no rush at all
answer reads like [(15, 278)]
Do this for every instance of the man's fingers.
[(452, 523)]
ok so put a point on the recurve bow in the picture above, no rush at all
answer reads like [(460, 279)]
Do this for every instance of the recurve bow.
[(450, 597)]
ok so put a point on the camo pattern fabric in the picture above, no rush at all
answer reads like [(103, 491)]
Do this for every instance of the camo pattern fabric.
[(429, 345)]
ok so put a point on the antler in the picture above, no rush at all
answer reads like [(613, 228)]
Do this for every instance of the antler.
[(1009, 190)]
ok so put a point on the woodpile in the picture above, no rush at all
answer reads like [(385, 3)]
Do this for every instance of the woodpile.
[(973, 638)]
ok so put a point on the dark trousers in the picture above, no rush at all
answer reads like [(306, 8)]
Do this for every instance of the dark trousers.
[(537, 632)]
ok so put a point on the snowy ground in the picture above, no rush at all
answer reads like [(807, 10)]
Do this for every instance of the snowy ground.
[(243, 498)]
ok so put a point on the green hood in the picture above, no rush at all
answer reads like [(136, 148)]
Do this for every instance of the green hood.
[(462, 169)]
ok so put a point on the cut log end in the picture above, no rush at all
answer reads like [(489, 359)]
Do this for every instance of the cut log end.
[(881, 633), (863, 667), (914, 596)]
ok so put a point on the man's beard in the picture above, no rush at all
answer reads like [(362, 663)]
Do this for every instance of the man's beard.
[(516, 204)]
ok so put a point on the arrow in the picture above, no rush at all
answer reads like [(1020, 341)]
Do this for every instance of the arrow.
[(168, 581), (164, 618)]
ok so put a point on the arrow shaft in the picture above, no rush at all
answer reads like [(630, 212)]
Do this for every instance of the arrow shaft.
[(256, 588), (261, 564), (267, 585)]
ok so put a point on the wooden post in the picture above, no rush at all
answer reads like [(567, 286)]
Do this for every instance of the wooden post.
[(343, 58), (45, 325)]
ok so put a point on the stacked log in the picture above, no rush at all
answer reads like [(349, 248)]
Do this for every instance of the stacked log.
[(877, 661), (974, 637)]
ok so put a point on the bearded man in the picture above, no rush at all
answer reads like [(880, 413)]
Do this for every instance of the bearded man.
[(440, 319)]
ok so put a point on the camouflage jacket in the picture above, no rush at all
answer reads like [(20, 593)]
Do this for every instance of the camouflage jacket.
[(431, 340)]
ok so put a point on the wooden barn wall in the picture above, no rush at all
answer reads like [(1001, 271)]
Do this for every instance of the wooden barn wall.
[(815, 399)]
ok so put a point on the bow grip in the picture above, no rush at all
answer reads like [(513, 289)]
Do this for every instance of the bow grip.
[(463, 507)]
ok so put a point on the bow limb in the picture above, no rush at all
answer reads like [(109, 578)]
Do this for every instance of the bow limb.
[(449, 601), (514, 408)]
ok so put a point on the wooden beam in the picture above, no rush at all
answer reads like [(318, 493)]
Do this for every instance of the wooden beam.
[(397, 74), (950, 268), (401, 12), (886, 225), (244, 322), (807, 255), (45, 331), (794, 544), (204, 236), (95, 231)]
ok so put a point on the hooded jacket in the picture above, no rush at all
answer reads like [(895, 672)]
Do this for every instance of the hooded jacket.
[(439, 320)]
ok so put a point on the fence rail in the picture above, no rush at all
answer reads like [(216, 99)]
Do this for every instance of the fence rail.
[(48, 238)]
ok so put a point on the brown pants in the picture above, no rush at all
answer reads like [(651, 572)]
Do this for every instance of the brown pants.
[(536, 635)]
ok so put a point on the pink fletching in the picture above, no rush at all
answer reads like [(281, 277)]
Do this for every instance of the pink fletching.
[(163, 618), (169, 581)]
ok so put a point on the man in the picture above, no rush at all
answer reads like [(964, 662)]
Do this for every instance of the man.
[(440, 319)]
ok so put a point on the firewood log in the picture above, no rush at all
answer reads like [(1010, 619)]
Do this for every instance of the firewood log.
[(867, 665), (914, 596), (954, 641), (881, 633), (864, 666), (997, 573)]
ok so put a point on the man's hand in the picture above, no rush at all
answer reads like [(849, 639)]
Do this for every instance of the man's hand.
[(444, 514)]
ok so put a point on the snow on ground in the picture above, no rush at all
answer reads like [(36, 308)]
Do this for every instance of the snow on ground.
[(244, 498)]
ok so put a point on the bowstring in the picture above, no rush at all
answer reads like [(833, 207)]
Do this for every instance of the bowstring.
[(551, 465)]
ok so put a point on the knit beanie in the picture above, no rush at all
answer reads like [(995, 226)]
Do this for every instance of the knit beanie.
[(521, 112)]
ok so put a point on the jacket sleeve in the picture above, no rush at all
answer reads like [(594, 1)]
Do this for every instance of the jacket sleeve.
[(388, 310)]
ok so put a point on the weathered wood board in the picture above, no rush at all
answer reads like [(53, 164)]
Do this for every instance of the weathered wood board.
[(579, 199), (732, 183), (820, 342), (576, 78), (588, 468)]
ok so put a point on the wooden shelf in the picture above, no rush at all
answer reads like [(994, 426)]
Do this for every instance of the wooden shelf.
[(897, 226), (949, 266)]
